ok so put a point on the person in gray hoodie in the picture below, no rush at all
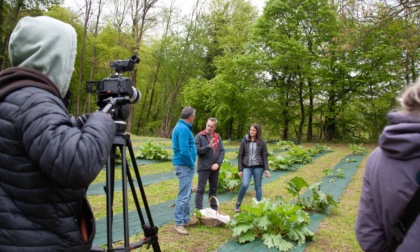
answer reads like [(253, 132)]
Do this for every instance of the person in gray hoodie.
[(390, 181), (47, 161)]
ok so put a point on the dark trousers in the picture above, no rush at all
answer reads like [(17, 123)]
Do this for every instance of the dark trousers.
[(213, 178)]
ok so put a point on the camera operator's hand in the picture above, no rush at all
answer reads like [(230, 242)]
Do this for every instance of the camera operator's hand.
[(80, 121)]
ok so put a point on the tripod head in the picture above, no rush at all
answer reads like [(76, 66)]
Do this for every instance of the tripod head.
[(118, 108)]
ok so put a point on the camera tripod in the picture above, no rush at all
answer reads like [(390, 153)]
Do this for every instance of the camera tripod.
[(121, 141)]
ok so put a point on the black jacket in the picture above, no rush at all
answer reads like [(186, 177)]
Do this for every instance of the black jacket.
[(206, 155), (261, 154), (46, 164)]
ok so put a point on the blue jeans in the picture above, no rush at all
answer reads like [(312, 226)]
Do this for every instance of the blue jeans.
[(185, 175), (247, 173)]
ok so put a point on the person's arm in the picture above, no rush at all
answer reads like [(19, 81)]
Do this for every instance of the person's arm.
[(202, 148), (264, 155), (265, 159), (70, 156), (241, 155), (369, 232)]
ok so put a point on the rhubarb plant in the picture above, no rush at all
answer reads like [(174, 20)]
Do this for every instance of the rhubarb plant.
[(229, 180), (330, 172), (315, 199), (357, 149), (150, 150), (278, 224)]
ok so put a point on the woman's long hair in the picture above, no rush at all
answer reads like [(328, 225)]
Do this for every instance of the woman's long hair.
[(258, 136)]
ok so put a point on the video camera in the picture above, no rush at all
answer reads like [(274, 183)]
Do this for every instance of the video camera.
[(116, 92)]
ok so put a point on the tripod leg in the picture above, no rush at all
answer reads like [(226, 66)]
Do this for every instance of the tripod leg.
[(125, 198), (109, 189), (150, 230)]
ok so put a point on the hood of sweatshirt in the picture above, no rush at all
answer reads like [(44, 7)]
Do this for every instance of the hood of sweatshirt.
[(47, 45), (400, 139)]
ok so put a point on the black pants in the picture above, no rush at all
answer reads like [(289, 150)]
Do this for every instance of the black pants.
[(213, 178)]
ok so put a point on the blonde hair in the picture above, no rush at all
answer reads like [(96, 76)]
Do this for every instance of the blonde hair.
[(410, 100)]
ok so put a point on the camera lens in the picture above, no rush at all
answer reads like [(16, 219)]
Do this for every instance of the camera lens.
[(135, 97)]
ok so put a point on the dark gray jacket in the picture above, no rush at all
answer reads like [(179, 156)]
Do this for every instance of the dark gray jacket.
[(261, 154), (46, 163), (389, 183), (206, 155)]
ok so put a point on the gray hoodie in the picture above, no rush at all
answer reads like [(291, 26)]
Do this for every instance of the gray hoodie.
[(389, 184), (41, 52)]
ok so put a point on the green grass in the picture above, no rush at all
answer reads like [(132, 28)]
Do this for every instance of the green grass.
[(335, 232)]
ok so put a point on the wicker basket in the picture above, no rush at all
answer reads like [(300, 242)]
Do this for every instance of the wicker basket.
[(209, 221)]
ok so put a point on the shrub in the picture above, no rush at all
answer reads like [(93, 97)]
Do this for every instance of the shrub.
[(152, 151)]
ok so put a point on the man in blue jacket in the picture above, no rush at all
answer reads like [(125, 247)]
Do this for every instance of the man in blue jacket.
[(185, 154)]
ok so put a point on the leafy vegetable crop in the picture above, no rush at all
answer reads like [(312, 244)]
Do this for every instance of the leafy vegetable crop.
[(278, 224)]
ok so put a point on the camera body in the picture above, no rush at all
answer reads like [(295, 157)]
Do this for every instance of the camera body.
[(116, 92), (116, 86)]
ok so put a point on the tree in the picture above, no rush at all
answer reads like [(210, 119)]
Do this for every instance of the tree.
[(221, 89), (10, 12), (292, 35)]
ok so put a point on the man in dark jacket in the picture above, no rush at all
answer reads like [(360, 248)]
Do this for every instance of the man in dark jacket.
[(46, 161), (210, 153)]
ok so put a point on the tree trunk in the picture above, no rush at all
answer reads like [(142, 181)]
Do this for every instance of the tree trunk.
[(310, 113)]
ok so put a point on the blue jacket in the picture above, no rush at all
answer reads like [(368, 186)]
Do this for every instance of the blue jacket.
[(185, 152)]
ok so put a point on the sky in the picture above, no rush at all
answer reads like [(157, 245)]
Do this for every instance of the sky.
[(184, 4)]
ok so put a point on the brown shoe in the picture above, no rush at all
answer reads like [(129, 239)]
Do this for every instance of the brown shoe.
[(191, 223), (180, 230)]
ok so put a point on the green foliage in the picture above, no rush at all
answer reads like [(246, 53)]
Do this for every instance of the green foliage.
[(280, 162), (299, 155), (276, 223), (284, 145), (357, 149), (339, 173), (197, 212), (296, 155), (318, 148), (328, 172), (229, 180), (149, 150), (315, 200), (348, 160)]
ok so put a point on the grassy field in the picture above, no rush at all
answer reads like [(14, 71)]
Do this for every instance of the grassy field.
[(335, 233)]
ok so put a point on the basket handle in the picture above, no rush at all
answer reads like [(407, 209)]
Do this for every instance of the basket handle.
[(217, 202)]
